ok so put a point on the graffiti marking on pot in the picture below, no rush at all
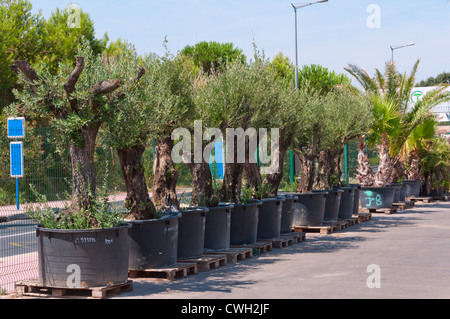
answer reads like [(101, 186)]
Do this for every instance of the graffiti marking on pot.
[(108, 241), (370, 198)]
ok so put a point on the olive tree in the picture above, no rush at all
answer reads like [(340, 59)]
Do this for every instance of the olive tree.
[(76, 101)]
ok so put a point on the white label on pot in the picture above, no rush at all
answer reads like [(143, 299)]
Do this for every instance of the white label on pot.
[(85, 240), (108, 241)]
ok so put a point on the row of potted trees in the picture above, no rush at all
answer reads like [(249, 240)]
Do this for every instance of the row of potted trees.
[(102, 257), (84, 258)]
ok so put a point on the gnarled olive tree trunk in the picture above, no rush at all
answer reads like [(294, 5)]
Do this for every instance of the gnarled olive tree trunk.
[(165, 176), (83, 168), (138, 199), (325, 170), (202, 188)]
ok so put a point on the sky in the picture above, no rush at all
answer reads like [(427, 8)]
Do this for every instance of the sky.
[(332, 34)]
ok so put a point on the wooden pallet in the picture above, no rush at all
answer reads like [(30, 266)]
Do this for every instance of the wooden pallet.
[(279, 242), (257, 248), (427, 199), (294, 237), (233, 254), (207, 262), (352, 221), (363, 217), (321, 229), (403, 205), (389, 210), (179, 270), (33, 288)]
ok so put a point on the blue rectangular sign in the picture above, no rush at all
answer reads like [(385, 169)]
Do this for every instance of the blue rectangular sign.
[(16, 156), (16, 127)]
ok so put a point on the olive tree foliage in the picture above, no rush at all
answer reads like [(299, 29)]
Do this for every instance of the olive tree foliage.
[(318, 82), (127, 129), (345, 116), (239, 101), (76, 101), (169, 99)]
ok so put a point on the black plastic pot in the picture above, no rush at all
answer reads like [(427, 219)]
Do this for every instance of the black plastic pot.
[(377, 197), (287, 214), (83, 258), (412, 188), (398, 190), (218, 228), (332, 204), (357, 188), (191, 233), (244, 223), (403, 192), (347, 201), (154, 242), (269, 224), (309, 209)]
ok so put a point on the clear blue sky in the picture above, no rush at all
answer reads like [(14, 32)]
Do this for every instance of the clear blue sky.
[(331, 34)]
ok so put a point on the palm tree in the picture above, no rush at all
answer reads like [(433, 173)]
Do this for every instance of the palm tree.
[(395, 117)]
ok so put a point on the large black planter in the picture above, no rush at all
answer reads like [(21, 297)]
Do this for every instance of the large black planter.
[(269, 224), (377, 197), (83, 258), (191, 233), (309, 209), (357, 187), (398, 191), (412, 188), (332, 204), (244, 223), (154, 242), (287, 214), (347, 200), (218, 228)]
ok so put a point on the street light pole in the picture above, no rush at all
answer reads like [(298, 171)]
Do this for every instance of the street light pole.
[(399, 47), (291, 153), (296, 46)]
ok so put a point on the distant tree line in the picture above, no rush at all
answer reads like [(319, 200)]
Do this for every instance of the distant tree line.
[(443, 78)]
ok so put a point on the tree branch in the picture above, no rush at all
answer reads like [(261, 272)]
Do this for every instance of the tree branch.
[(69, 86), (105, 87), (29, 73)]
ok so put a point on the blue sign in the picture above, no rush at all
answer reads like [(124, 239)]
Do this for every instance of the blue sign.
[(217, 159), (16, 127), (16, 153)]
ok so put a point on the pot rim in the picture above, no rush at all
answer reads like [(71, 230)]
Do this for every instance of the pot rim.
[(90, 230), (167, 215), (253, 202)]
